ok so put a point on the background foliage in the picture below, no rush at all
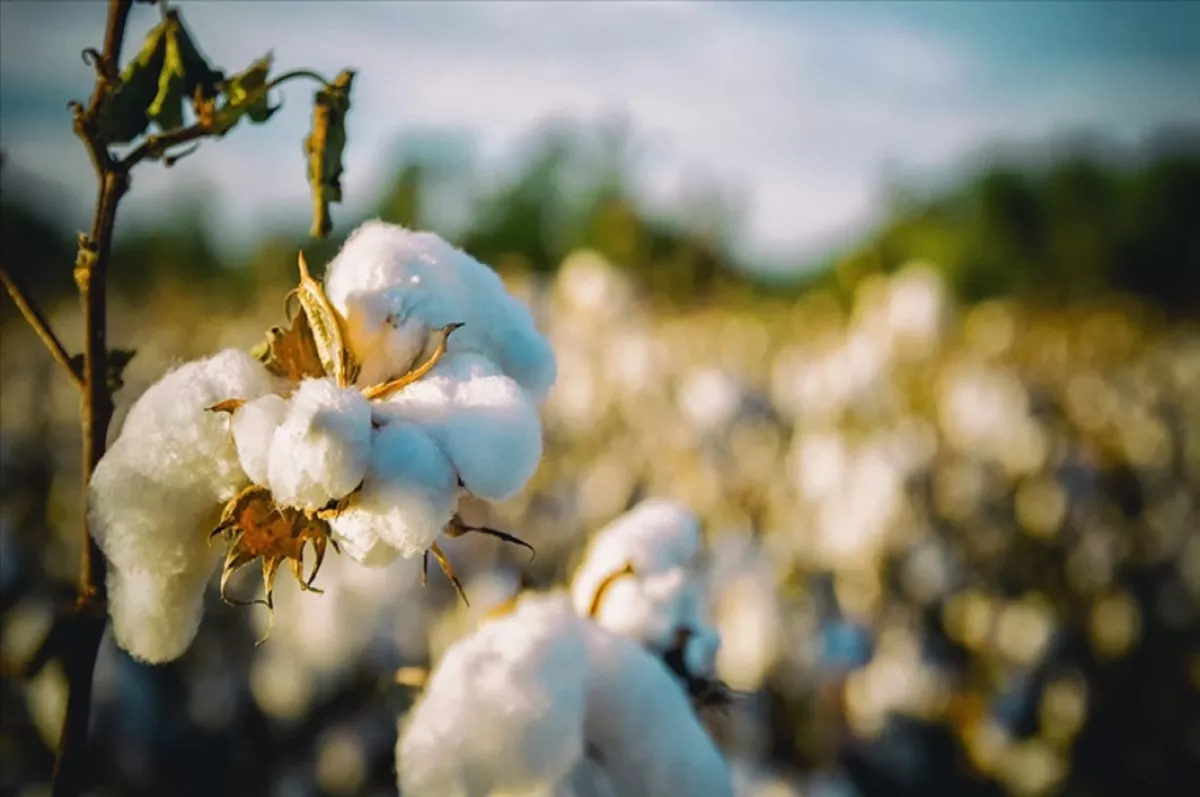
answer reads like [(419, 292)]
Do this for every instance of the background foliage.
[(953, 509)]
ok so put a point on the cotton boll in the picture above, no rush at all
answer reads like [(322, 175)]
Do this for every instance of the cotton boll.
[(648, 609), (642, 726), (386, 275), (503, 712), (320, 452), (170, 416), (385, 345), (253, 426), (653, 537), (158, 490), (408, 495), (155, 616), (484, 421)]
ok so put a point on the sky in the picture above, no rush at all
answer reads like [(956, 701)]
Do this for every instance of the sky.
[(801, 109)]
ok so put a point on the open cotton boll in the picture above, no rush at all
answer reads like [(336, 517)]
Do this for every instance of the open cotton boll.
[(650, 608), (320, 451), (170, 417), (386, 275), (158, 490), (155, 616), (642, 727), (655, 536), (484, 421), (503, 712), (408, 496), (253, 427)]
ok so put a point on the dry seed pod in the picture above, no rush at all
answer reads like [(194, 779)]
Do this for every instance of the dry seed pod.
[(327, 328)]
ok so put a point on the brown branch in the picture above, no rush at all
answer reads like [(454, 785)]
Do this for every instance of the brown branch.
[(91, 272), (40, 326)]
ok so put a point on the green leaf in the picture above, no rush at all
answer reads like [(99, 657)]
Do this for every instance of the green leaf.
[(167, 109), (123, 116), (199, 79), (325, 145)]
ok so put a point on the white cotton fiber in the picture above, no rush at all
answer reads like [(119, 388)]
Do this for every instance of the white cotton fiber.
[(320, 451), (543, 702), (654, 537), (650, 608), (253, 427), (155, 617), (158, 491), (484, 422), (394, 284), (408, 496), (503, 712), (642, 725)]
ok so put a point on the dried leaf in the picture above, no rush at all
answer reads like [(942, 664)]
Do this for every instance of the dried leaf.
[(244, 94), (324, 146), (259, 529)]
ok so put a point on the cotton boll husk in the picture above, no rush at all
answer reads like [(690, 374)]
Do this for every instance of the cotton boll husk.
[(484, 421), (408, 495), (503, 712), (642, 726), (253, 426), (655, 536), (320, 451), (388, 276)]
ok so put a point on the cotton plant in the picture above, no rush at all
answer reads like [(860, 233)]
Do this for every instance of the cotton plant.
[(409, 379), (542, 701)]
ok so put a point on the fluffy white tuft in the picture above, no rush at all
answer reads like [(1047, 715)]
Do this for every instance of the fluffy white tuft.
[(394, 285), (504, 711), (253, 427), (320, 451), (642, 726), (543, 702), (408, 496), (484, 422), (157, 492), (656, 536)]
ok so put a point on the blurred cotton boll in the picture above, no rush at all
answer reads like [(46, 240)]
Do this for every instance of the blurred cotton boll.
[(544, 702)]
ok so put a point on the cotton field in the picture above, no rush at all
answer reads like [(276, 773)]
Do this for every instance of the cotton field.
[(921, 547)]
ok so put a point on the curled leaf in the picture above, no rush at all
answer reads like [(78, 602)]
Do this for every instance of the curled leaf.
[(167, 109), (124, 113), (244, 94), (324, 146)]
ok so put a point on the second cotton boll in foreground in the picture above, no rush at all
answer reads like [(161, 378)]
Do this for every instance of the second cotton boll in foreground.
[(287, 443)]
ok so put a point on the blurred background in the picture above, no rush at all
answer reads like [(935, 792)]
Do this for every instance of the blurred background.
[(901, 299)]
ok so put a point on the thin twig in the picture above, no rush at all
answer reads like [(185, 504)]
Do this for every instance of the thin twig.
[(91, 267), (41, 326)]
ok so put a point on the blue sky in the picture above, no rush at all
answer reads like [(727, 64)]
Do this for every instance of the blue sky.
[(799, 107)]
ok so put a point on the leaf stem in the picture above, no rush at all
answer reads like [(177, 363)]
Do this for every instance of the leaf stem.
[(40, 326)]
